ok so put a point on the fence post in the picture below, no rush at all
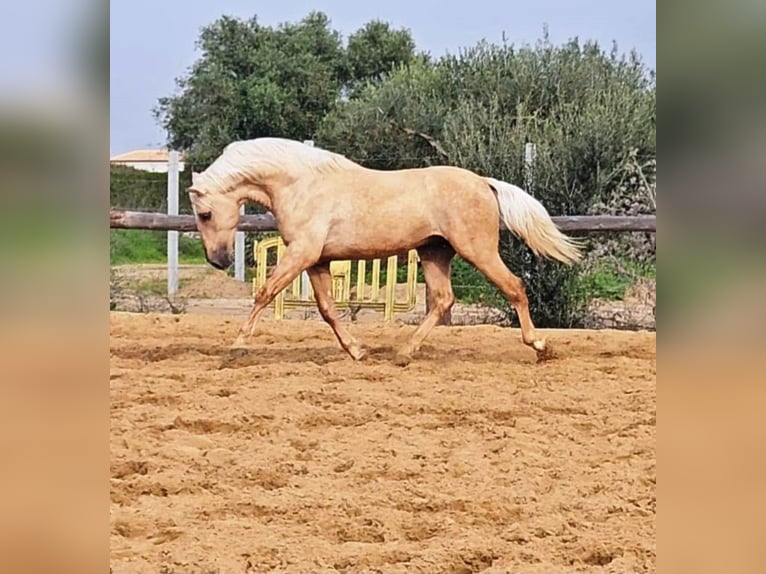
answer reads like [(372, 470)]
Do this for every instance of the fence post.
[(239, 252), (172, 235), (530, 155)]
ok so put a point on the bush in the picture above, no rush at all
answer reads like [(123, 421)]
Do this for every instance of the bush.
[(591, 114), (139, 190)]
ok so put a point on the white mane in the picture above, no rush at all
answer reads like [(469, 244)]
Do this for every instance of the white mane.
[(254, 159)]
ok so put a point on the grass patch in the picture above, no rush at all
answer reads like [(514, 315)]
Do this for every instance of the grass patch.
[(142, 246), (611, 279)]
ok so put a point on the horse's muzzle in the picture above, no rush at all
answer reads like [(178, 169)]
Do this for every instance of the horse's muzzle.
[(220, 258)]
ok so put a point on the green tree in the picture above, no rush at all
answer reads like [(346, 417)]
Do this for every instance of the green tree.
[(256, 81), (376, 49), (253, 81)]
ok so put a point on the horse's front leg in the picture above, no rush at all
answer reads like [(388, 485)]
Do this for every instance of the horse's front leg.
[(296, 258), (321, 281)]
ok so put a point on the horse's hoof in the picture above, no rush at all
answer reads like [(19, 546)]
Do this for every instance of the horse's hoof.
[(546, 353), (402, 359), (358, 353), (239, 343)]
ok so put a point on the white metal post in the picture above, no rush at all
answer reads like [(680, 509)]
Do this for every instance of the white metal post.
[(172, 235), (239, 252), (530, 155)]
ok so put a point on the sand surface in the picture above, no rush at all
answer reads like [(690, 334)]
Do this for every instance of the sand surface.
[(290, 457)]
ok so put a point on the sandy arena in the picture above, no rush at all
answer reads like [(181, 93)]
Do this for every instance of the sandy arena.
[(290, 457)]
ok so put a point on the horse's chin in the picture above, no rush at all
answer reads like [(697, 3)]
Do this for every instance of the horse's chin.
[(220, 259), (218, 265)]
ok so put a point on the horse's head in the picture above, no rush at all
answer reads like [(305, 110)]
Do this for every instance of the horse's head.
[(217, 218), (251, 170)]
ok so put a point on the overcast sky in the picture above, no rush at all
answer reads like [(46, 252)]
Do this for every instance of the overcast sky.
[(153, 42)]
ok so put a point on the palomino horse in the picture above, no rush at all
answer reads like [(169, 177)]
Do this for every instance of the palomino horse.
[(330, 208)]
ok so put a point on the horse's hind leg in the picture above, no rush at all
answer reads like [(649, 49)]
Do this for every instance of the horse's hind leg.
[(435, 260), (321, 281)]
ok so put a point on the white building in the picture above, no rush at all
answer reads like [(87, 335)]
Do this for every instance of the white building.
[(155, 160)]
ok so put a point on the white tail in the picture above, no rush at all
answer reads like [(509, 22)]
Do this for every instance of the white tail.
[(528, 219)]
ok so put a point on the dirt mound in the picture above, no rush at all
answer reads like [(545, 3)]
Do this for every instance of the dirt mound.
[(288, 456), (216, 284)]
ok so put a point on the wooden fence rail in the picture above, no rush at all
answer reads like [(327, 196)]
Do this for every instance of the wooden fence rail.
[(266, 222)]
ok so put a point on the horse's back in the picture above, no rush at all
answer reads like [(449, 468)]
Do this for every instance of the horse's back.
[(372, 212)]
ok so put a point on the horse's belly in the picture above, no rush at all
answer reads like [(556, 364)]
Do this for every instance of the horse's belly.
[(344, 243)]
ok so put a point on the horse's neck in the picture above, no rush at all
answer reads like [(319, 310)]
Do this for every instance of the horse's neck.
[(256, 194), (267, 192)]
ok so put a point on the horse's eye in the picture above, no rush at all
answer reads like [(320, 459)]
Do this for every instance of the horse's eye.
[(205, 216)]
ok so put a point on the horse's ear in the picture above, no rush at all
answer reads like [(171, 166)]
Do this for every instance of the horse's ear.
[(195, 176)]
